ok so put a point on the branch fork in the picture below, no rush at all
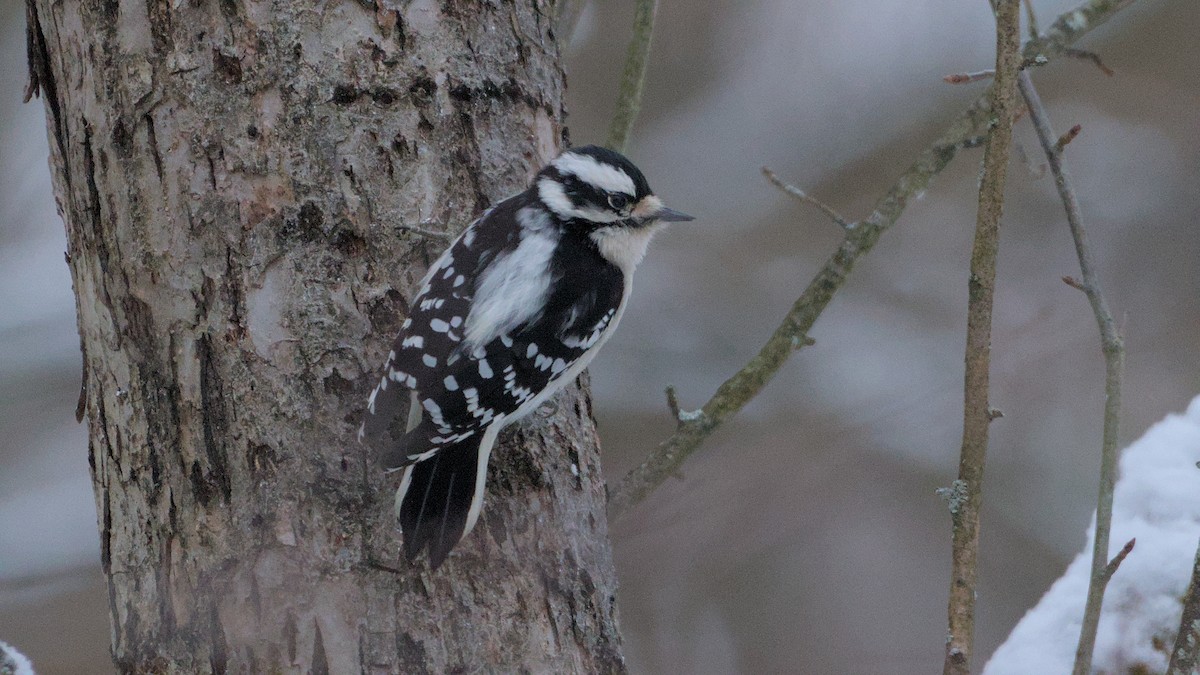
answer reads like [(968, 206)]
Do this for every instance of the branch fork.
[(967, 130), (1114, 365)]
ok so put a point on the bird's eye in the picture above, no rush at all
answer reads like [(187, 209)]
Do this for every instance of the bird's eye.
[(618, 202)]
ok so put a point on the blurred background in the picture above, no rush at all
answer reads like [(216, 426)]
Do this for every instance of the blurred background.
[(805, 536)]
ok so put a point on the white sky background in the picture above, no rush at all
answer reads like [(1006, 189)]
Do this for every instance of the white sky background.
[(837, 97)]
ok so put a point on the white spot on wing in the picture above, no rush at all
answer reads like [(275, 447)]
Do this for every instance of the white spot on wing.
[(434, 410)]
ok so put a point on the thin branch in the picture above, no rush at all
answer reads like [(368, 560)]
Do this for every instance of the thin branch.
[(431, 234), (1186, 654), (1075, 283), (1113, 565), (981, 286), (963, 78), (1114, 366), (1089, 56), (792, 331), (1031, 20), (673, 403), (1066, 138), (633, 80), (806, 198)]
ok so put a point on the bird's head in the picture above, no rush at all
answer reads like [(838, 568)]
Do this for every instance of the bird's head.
[(600, 188)]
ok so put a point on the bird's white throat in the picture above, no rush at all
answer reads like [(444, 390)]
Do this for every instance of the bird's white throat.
[(625, 246)]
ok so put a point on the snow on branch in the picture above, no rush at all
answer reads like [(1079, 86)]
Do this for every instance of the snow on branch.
[(1157, 500)]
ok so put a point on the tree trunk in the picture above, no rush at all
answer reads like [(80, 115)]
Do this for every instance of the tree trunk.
[(234, 177)]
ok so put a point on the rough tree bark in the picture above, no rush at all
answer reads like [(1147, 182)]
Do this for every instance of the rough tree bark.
[(233, 176)]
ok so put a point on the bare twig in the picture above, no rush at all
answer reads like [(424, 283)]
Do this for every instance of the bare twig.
[(1113, 565), (673, 403), (431, 234), (1031, 20), (1089, 56), (1186, 654), (977, 418), (806, 198), (1074, 283), (1114, 365), (963, 78), (744, 385), (1067, 138), (633, 80)]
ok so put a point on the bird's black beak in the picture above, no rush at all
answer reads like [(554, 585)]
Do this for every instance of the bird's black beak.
[(672, 216)]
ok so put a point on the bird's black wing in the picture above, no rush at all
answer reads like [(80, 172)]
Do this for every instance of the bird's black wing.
[(433, 330)]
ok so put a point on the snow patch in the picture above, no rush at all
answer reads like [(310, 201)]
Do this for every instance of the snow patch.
[(1157, 500)]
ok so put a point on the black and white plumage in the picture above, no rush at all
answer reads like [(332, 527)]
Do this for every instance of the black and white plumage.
[(513, 311)]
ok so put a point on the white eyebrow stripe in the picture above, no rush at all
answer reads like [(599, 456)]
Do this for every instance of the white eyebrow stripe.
[(603, 176), (552, 195)]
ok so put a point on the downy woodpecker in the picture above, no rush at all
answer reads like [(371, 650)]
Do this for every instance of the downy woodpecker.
[(513, 311)]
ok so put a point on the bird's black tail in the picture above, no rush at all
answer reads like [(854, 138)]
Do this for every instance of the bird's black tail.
[(440, 497)]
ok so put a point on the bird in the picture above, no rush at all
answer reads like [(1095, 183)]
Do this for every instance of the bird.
[(514, 310)]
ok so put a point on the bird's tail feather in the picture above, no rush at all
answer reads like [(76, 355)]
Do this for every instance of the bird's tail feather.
[(439, 498)]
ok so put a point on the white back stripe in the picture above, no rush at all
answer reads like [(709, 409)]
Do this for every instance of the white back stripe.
[(514, 287)]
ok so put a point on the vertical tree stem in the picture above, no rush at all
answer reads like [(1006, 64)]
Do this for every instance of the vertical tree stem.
[(633, 80), (966, 500), (1186, 654), (1114, 362), (791, 334)]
